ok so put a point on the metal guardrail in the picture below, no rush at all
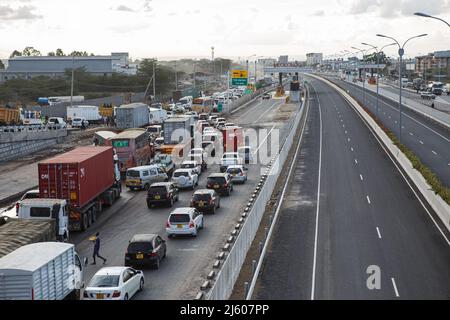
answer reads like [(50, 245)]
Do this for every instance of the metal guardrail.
[(232, 257), (28, 128)]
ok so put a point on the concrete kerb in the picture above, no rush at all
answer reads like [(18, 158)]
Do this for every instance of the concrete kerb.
[(440, 207)]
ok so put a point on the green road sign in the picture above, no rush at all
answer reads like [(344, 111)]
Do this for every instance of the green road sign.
[(239, 81), (219, 107)]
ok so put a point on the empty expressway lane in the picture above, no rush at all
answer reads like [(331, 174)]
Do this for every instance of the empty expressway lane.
[(348, 209), (429, 141)]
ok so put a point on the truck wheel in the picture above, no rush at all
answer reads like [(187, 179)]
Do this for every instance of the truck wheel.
[(84, 222), (94, 215)]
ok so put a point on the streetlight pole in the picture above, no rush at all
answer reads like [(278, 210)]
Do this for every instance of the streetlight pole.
[(154, 79), (401, 51), (176, 77), (420, 14), (71, 85), (364, 75), (378, 66)]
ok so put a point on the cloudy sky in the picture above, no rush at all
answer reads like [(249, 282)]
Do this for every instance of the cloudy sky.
[(236, 28)]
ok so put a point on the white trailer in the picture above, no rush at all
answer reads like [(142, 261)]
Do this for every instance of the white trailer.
[(157, 116), (41, 271), (89, 113)]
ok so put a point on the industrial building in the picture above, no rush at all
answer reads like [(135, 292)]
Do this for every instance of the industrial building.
[(55, 66), (313, 59)]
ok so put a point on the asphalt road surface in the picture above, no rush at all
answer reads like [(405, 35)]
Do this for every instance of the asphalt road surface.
[(429, 141), (188, 259), (348, 211)]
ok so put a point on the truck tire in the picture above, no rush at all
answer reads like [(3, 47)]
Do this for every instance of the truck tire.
[(84, 222), (94, 215)]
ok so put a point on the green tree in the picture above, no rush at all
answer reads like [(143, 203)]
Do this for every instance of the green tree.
[(51, 54), (31, 51), (59, 52), (15, 53)]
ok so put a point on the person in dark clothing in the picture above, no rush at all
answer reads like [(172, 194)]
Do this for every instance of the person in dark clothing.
[(97, 248), (432, 105)]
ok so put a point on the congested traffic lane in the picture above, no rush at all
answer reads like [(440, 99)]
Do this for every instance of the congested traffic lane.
[(188, 259)]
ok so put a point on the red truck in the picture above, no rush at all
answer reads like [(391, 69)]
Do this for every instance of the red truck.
[(86, 177), (233, 138)]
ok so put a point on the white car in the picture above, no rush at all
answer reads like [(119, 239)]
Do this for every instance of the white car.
[(114, 283), (57, 120), (229, 124), (77, 121), (185, 221), (208, 130), (185, 178), (238, 173), (194, 165)]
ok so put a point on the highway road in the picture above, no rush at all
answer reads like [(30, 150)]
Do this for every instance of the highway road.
[(348, 209), (188, 260), (429, 141)]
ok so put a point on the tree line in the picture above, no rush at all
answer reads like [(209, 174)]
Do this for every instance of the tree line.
[(31, 51)]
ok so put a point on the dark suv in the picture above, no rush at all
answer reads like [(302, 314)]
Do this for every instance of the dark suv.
[(220, 182), (162, 192), (145, 249), (205, 200)]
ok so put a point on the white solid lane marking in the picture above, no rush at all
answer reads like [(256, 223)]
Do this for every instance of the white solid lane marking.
[(318, 203), (263, 140), (395, 287), (421, 142), (361, 177), (379, 233), (434, 152), (368, 199), (264, 113)]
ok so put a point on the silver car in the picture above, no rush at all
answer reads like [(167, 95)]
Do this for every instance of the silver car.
[(238, 173), (184, 221), (185, 178)]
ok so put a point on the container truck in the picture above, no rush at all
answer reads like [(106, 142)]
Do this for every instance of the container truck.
[(132, 115), (87, 178), (9, 116), (15, 233), (89, 113), (42, 271)]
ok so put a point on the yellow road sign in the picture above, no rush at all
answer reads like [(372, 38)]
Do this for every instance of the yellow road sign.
[(239, 74)]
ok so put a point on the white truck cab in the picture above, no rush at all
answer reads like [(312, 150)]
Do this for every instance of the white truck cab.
[(47, 209)]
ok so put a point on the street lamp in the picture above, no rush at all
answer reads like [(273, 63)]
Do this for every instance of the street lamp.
[(420, 14), (378, 65), (364, 74), (401, 51)]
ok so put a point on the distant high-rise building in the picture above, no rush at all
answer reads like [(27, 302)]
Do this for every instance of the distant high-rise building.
[(283, 59), (313, 59)]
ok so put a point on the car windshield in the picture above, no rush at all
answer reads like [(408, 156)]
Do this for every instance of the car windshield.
[(180, 173), (219, 180), (230, 156), (179, 218), (104, 280), (76, 119), (205, 144), (136, 247), (133, 174), (157, 190), (187, 165)]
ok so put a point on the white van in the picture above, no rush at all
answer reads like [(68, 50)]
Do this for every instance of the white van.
[(142, 177), (57, 120)]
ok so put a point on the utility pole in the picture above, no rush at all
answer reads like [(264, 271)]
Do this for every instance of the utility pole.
[(214, 65), (194, 74), (176, 77), (247, 72), (255, 72), (71, 86), (154, 79)]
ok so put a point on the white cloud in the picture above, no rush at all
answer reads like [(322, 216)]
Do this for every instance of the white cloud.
[(20, 13)]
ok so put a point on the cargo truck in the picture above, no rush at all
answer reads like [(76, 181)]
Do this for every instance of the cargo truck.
[(42, 271), (132, 115), (15, 233), (87, 178), (178, 134), (89, 113)]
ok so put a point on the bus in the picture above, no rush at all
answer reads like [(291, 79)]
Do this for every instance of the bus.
[(202, 105), (133, 149)]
